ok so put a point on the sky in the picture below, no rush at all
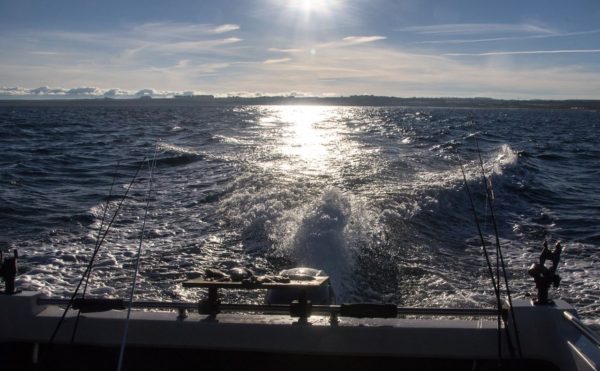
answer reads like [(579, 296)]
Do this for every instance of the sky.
[(506, 49)]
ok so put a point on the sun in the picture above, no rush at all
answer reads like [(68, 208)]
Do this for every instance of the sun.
[(308, 8), (308, 5)]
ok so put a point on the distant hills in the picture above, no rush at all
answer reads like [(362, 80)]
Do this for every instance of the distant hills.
[(355, 100)]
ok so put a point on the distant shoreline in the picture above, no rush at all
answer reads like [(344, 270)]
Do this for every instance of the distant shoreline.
[(359, 100)]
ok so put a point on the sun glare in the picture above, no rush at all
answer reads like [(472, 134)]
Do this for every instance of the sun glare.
[(305, 5), (307, 8), (309, 5), (307, 138)]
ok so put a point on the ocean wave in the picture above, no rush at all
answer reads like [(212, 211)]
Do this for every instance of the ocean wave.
[(173, 155), (172, 148), (183, 159)]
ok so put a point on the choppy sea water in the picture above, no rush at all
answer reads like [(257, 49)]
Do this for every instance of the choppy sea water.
[(373, 196)]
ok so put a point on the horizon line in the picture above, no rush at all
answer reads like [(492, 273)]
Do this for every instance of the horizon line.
[(212, 97)]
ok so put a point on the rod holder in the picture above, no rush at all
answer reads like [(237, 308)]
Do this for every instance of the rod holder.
[(8, 272), (546, 277)]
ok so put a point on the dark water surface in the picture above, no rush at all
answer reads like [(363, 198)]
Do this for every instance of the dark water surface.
[(374, 196)]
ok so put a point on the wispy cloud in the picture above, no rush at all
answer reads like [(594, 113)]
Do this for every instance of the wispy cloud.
[(150, 47), (362, 39), (369, 69), (44, 52), (182, 63), (180, 30), (563, 51), (280, 60), (508, 38), (393, 71), (478, 28), (189, 46), (284, 50), (226, 28), (167, 37)]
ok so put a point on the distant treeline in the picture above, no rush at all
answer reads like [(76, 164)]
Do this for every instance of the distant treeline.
[(355, 100)]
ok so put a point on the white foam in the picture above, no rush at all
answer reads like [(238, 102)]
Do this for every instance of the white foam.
[(167, 147), (230, 139), (318, 237), (505, 157), (326, 233)]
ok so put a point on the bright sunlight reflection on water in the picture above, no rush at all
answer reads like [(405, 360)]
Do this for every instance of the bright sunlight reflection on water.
[(309, 137)]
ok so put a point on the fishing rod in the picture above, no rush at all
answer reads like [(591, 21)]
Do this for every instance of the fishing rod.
[(499, 252), (87, 279), (137, 263), (487, 258), (96, 249)]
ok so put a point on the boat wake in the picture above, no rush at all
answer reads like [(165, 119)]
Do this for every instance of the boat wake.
[(320, 238)]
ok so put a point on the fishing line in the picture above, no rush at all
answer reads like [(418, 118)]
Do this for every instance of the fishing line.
[(87, 279), (486, 227), (499, 253), (487, 258), (479, 231), (97, 248), (137, 263)]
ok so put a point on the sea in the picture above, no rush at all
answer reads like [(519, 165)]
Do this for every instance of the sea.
[(373, 196)]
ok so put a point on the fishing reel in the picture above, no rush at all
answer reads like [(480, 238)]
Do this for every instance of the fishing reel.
[(545, 277), (8, 272)]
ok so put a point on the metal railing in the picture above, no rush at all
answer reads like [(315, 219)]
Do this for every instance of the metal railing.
[(573, 320), (341, 310)]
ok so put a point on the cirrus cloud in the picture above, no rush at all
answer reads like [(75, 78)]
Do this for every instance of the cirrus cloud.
[(363, 39), (279, 60)]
